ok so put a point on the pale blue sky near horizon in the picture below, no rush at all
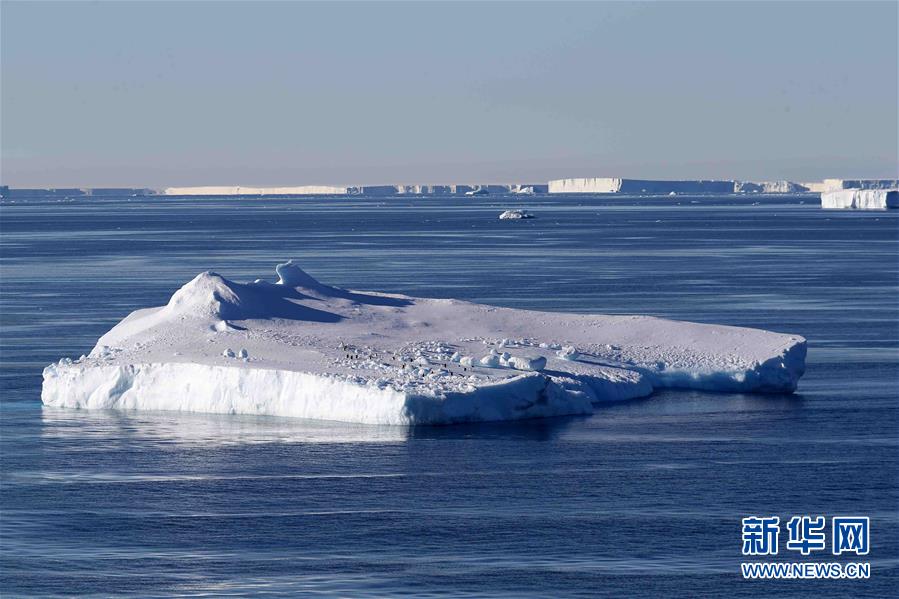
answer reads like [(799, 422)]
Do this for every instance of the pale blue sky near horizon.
[(289, 93)]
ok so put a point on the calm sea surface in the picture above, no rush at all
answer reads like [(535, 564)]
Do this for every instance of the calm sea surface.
[(642, 499)]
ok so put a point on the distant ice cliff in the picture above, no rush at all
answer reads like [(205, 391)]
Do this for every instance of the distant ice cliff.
[(861, 199)]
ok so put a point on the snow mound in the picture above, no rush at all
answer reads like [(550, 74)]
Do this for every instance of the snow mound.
[(291, 275), (303, 349), (208, 294)]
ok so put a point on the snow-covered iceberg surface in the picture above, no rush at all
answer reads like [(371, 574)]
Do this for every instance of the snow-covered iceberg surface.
[(301, 348), (861, 199)]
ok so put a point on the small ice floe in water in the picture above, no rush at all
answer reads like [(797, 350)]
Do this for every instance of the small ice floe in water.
[(334, 354), (569, 353), (515, 215)]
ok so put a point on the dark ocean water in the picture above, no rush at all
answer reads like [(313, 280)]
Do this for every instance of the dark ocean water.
[(642, 499)]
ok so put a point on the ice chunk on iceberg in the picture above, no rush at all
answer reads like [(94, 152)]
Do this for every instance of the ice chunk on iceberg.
[(292, 275), (491, 360), (328, 353), (568, 353), (522, 363)]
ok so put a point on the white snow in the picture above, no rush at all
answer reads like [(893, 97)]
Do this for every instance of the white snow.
[(305, 349), (861, 199)]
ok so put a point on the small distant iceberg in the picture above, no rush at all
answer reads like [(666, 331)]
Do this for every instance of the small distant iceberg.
[(769, 187), (860, 199), (301, 348), (515, 215)]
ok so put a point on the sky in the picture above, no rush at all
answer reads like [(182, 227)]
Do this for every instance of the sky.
[(154, 94)]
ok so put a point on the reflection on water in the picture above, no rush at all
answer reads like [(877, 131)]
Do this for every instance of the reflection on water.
[(186, 428)]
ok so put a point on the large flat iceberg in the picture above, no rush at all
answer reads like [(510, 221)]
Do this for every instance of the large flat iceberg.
[(861, 199), (304, 349)]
